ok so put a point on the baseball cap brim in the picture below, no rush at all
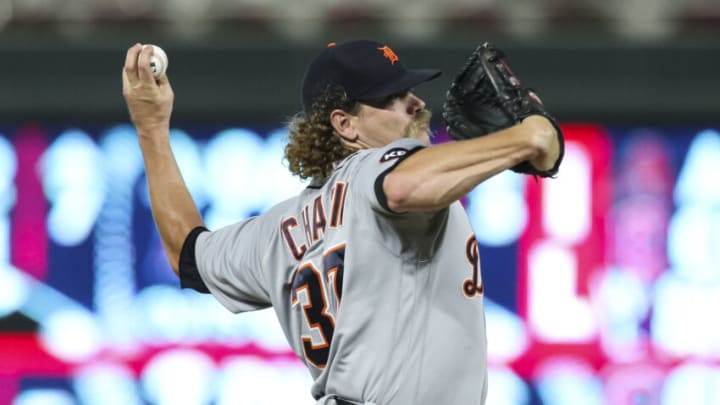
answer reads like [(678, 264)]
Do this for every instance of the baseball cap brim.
[(410, 79)]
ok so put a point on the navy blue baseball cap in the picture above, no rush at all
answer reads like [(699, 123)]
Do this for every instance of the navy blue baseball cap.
[(364, 69)]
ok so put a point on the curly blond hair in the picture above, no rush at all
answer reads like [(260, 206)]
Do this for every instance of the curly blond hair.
[(313, 147)]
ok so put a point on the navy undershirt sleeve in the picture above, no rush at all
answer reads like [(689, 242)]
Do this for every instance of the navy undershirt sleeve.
[(189, 274)]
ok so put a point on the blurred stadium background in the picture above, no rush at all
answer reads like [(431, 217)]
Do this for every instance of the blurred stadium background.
[(602, 286)]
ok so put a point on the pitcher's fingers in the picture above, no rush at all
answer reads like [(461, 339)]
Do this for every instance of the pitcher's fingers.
[(131, 59), (126, 83), (143, 65)]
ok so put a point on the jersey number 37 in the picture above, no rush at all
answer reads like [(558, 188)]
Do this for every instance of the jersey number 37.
[(310, 290)]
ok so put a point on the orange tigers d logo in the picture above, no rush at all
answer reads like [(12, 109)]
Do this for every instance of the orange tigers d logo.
[(389, 54)]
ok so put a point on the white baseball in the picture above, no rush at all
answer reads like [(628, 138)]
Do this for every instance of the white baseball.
[(158, 62)]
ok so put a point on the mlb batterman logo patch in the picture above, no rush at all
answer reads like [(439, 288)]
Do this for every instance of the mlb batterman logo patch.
[(393, 153)]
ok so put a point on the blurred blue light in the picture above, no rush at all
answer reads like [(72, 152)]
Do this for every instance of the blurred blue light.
[(44, 396), (234, 159), (73, 215), (74, 183), (179, 377), (625, 301), (681, 319), (164, 314), (568, 381), (71, 334), (694, 185), (106, 384), (693, 246), (114, 252), (249, 380), (121, 152), (694, 231), (692, 384), (284, 184), (8, 169), (497, 209), (13, 289), (73, 160), (161, 315), (506, 388), (506, 333)]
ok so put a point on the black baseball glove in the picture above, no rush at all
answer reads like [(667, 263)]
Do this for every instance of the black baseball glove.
[(486, 97)]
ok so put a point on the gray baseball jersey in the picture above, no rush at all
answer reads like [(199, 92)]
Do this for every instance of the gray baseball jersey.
[(383, 308)]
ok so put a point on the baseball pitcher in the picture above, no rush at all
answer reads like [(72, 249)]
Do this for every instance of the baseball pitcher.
[(373, 270)]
